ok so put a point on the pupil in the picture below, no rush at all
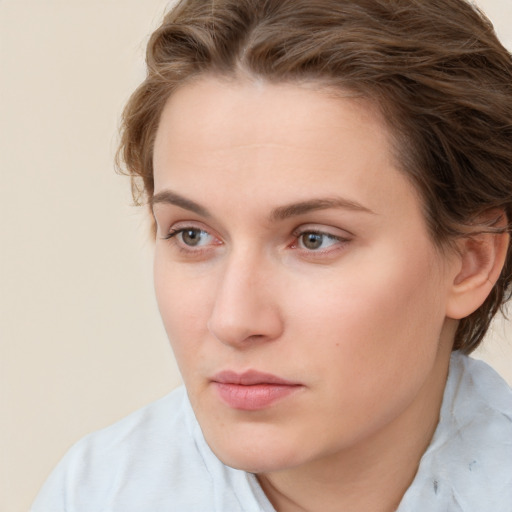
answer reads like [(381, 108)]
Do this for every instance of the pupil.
[(313, 241), (191, 236)]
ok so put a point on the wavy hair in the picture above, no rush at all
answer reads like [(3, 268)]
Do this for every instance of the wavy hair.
[(434, 68)]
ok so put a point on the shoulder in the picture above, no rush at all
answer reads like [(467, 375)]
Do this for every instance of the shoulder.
[(468, 465), (149, 450), (140, 435), (154, 459), (471, 378), (478, 403)]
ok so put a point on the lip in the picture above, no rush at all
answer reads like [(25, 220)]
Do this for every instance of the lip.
[(252, 390)]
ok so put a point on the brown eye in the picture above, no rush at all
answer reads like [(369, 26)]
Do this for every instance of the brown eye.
[(192, 237), (312, 241)]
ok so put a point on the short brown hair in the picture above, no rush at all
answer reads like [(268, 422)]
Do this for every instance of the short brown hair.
[(435, 68)]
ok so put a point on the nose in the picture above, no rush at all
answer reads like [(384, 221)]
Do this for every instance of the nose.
[(246, 308)]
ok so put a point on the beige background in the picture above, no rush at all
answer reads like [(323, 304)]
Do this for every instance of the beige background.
[(81, 340)]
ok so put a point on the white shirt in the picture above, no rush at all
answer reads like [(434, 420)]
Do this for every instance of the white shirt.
[(156, 459)]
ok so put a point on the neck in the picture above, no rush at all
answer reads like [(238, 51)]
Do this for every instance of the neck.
[(373, 475)]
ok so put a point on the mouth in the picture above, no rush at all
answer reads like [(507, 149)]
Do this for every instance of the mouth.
[(252, 390)]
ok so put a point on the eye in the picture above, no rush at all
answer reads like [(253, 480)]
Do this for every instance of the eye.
[(191, 237), (314, 240), (317, 242)]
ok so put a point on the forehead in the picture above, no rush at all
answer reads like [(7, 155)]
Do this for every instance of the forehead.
[(257, 111), (280, 142)]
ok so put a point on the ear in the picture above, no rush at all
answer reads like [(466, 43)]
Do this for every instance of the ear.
[(478, 264)]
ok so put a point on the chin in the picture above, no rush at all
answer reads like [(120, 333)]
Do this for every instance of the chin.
[(262, 462), (255, 453)]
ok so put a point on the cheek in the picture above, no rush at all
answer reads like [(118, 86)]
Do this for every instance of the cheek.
[(183, 302), (370, 317), (369, 343)]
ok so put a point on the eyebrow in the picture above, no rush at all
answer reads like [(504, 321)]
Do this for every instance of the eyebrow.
[(170, 197), (284, 212), (279, 213)]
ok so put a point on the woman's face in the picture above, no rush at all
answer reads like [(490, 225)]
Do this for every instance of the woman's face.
[(302, 295)]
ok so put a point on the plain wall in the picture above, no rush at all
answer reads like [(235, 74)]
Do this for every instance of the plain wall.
[(81, 341)]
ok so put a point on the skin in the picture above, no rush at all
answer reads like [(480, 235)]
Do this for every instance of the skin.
[(361, 322)]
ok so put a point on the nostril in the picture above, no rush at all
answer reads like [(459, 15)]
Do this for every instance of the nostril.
[(242, 310), (240, 331), (255, 337)]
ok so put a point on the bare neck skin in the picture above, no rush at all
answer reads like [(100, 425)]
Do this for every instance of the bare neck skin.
[(374, 475)]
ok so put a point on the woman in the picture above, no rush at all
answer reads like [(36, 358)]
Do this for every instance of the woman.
[(330, 184)]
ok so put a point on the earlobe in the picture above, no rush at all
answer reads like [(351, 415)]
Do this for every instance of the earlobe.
[(480, 260)]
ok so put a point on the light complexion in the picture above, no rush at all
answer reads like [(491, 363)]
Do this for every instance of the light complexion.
[(290, 247)]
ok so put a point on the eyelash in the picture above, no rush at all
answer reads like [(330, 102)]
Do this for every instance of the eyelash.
[(181, 246), (298, 234), (336, 239)]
